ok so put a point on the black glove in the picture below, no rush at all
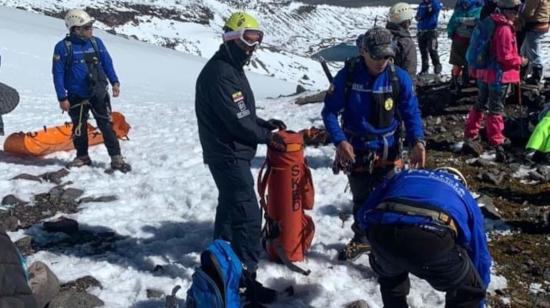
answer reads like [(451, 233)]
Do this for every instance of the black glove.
[(275, 124), (277, 143)]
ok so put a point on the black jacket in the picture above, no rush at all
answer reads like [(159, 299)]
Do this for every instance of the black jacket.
[(405, 55), (226, 111), (14, 290)]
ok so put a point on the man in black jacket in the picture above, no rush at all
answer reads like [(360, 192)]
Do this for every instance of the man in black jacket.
[(229, 132), (14, 290)]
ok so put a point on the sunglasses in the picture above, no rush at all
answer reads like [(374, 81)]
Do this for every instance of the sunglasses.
[(87, 27), (250, 38)]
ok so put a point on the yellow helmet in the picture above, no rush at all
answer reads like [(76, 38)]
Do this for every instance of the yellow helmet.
[(241, 21)]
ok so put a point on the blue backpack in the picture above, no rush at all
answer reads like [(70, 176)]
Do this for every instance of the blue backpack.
[(216, 282), (478, 53)]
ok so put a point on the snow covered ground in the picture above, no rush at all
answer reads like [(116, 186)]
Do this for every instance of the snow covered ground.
[(164, 215)]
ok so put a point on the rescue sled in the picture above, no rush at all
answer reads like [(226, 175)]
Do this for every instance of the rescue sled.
[(59, 138)]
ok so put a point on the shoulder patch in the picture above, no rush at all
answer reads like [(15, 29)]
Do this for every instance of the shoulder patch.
[(56, 57), (330, 89), (237, 96)]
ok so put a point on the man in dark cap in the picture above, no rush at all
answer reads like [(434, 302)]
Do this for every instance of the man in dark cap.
[(374, 97)]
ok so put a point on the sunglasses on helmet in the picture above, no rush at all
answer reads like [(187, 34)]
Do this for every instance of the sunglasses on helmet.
[(251, 38)]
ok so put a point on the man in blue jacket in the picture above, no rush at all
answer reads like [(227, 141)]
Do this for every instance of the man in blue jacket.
[(427, 223), (427, 16), (374, 97), (82, 68)]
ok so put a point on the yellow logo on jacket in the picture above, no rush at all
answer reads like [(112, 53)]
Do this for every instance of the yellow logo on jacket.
[(388, 104)]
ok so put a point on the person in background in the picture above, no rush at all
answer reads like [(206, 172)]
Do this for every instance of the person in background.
[(494, 81), (82, 69), (374, 97), (534, 23), (459, 29), (427, 223), (229, 132), (427, 16), (399, 21)]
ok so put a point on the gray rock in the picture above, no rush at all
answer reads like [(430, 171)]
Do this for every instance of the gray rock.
[(473, 148), (492, 178), (546, 274), (71, 194), (110, 198), (154, 293), (56, 176), (9, 223), (488, 208), (13, 200), (29, 177), (74, 299), (357, 304), (43, 282)]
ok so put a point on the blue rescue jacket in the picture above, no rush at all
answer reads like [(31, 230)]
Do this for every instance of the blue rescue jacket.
[(76, 81), (357, 110), (427, 14), (434, 190)]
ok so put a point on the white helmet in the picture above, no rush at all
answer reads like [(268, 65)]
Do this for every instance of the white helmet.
[(77, 18), (454, 172), (400, 12)]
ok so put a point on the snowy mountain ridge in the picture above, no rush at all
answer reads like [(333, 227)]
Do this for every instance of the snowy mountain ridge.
[(294, 30)]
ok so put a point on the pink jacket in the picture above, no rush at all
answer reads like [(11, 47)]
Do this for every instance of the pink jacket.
[(505, 51)]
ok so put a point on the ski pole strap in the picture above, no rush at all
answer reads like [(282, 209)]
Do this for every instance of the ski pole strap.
[(78, 128), (283, 257)]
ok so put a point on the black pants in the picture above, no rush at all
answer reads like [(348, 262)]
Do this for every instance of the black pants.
[(432, 255), (427, 43), (361, 185), (238, 216), (101, 109)]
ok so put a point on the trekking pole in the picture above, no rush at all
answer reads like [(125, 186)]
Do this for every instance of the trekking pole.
[(326, 69)]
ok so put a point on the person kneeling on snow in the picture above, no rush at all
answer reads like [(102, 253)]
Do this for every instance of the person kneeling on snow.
[(229, 132), (494, 81), (374, 97), (539, 142), (81, 68), (427, 223)]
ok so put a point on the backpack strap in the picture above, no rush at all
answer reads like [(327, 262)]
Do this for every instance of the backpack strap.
[(70, 51), (396, 96), (349, 66)]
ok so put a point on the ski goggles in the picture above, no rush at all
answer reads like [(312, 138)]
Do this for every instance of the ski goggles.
[(249, 37)]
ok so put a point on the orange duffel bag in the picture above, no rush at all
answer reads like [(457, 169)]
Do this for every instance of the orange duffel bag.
[(288, 231), (59, 138)]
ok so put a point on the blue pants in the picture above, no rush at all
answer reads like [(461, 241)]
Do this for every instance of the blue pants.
[(238, 216)]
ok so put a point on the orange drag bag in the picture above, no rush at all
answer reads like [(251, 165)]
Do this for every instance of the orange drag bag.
[(59, 138), (288, 231)]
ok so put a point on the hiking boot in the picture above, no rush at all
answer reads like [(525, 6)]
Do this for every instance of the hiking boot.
[(79, 162), (501, 155), (256, 293), (536, 76), (353, 250), (118, 163), (437, 69)]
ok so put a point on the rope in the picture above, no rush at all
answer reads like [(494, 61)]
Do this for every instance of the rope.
[(78, 128)]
